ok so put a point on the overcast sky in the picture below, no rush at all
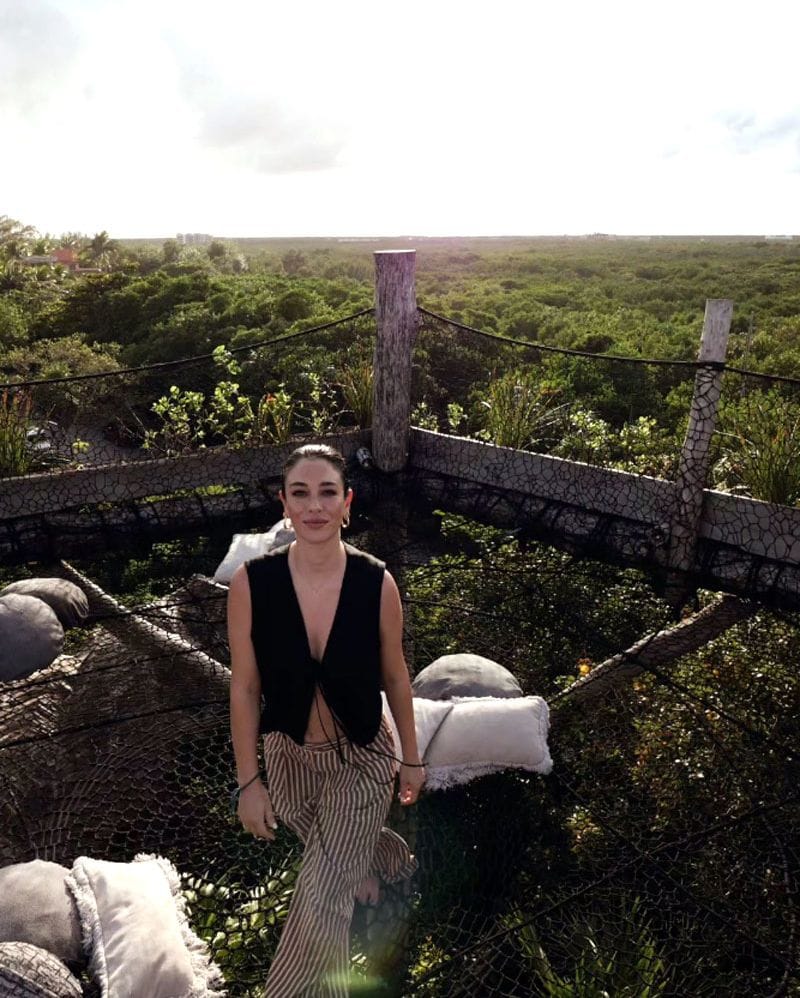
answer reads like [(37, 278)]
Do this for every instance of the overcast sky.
[(420, 117)]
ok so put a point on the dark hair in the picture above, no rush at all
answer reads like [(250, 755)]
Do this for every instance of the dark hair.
[(316, 452)]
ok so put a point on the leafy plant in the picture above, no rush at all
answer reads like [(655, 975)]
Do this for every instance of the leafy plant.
[(274, 415), (618, 958), (240, 924), (15, 426), (423, 417), (519, 411), (760, 443), (428, 974), (190, 421), (356, 384), (587, 438), (322, 415), (641, 447), (230, 415), (182, 413), (456, 417)]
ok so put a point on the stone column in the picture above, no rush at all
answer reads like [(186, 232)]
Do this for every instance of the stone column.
[(696, 456)]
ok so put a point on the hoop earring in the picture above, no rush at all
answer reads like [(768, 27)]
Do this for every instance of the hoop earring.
[(346, 519)]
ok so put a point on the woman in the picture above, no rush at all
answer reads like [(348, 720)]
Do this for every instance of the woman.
[(316, 628)]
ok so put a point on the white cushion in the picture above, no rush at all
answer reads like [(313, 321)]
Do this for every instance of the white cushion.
[(246, 547), (37, 908), (486, 735), (428, 716), (467, 737), (135, 932)]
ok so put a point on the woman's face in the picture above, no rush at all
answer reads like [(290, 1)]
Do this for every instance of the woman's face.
[(314, 499)]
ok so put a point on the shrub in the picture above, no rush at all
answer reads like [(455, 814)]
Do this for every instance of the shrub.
[(273, 419), (519, 411), (760, 445), (15, 425), (356, 385)]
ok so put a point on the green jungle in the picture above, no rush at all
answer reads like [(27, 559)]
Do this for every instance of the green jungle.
[(140, 303)]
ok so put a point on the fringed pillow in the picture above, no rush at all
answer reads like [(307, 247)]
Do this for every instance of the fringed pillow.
[(466, 737), (135, 931), (483, 735), (246, 547), (428, 717)]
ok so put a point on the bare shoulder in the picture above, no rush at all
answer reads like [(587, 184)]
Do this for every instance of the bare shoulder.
[(391, 607), (389, 590), (239, 596), (240, 583)]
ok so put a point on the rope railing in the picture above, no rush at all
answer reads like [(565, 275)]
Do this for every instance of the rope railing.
[(425, 313), (188, 361), (615, 358)]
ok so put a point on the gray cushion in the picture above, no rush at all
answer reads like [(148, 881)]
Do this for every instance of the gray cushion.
[(465, 675), (28, 971), (67, 600), (30, 636), (37, 908)]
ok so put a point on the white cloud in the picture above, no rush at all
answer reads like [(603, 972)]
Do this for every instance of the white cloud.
[(261, 118), (38, 46)]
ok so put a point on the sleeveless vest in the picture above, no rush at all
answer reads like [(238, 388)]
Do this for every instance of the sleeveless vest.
[(349, 675)]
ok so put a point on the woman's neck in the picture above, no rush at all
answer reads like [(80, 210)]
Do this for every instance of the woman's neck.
[(317, 559)]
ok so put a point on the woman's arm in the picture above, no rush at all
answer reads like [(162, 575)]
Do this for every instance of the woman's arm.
[(255, 808), (398, 689)]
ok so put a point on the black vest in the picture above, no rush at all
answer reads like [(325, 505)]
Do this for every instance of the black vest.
[(349, 674)]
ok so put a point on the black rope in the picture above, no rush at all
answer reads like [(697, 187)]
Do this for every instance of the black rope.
[(713, 365), (186, 361), (765, 377), (717, 365)]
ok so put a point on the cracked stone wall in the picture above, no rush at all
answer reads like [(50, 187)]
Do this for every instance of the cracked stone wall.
[(745, 546)]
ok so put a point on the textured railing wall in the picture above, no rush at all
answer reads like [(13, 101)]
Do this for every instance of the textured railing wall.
[(249, 467), (745, 546)]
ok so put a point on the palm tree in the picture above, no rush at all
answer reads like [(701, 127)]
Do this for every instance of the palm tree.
[(15, 241), (102, 250)]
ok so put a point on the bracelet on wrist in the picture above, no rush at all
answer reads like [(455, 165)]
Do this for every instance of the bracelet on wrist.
[(237, 792)]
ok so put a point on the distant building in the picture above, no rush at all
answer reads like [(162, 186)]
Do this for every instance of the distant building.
[(64, 256), (193, 238)]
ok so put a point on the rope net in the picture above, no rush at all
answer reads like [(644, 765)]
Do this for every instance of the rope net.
[(659, 857)]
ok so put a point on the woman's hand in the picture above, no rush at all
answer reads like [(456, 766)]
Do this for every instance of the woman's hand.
[(255, 811), (411, 780)]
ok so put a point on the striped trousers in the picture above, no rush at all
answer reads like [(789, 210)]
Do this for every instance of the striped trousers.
[(336, 800)]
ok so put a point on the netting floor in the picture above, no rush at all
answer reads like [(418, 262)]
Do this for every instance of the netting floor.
[(659, 858)]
